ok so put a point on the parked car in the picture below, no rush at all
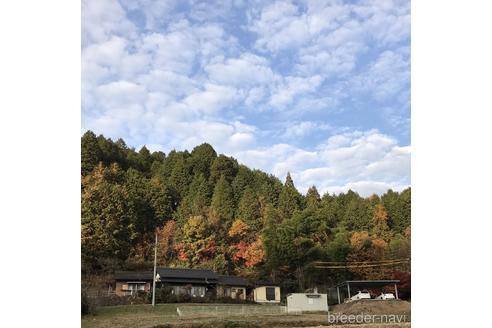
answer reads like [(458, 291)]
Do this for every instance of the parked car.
[(386, 296), (362, 294)]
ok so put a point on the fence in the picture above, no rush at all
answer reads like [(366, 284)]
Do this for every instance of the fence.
[(186, 311)]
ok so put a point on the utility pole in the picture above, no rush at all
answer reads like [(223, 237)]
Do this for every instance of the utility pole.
[(155, 270)]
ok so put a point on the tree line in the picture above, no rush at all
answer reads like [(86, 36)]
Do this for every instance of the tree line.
[(210, 211)]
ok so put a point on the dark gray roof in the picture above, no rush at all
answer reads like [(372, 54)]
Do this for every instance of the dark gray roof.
[(368, 283), (133, 275), (233, 281), (186, 273)]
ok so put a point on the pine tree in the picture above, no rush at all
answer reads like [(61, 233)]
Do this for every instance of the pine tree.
[(312, 198), (197, 199), (201, 159), (222, 201), (91, 154), (242, 180), (290, 198), (249, 209), (223, 166)]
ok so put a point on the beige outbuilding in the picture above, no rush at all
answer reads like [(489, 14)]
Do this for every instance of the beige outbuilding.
[(307, 302), (266, 294)]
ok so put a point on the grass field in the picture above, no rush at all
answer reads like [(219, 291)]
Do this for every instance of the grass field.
[(219, 316)]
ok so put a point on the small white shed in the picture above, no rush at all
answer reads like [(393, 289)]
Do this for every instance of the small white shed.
[(307, 302)]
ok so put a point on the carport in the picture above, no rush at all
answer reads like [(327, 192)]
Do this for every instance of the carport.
[(366, 284)]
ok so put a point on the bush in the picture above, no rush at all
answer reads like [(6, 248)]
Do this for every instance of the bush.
[(88, 306)]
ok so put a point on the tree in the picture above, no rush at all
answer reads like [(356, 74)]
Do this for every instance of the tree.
[(222, 206), (223, 166), (198, 241), (239, 230), (243, 180), (367, 249), (201, 159), (249, 209), (313, 198), (357, 215), (144, 160), (90, 152), (166, 242), (197, 199), (380, 223), (108, 217), (290, 198), (180, 176)]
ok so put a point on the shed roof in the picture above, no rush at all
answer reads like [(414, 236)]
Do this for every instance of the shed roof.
[(368, 283)]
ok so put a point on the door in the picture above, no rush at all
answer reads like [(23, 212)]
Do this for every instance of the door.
[(270, 293)]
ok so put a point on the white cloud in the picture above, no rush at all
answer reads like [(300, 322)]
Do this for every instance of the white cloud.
[(301, 129), (386, 77), (247, 70), (291, 87), (280, 26), (157, 13), (103, 19), (212, 99), (361, 160)]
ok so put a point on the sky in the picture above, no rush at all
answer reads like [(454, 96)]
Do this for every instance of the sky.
[(320, 89)]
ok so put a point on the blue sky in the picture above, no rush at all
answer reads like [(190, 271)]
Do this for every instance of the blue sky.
[(317, 88)]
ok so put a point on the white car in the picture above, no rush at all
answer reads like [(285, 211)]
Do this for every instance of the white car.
[(362, 294), (386, 296)]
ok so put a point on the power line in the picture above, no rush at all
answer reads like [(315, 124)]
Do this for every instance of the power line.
[(358, 265), (359, 262)]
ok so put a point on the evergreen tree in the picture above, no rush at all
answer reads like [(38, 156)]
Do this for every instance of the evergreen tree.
[(201, 159), (223, 201), (403, 216), (290, 198), (223, 166), (198, 198), (249, 209), (357, 216), (312, 198), (180, 176), (242, 180), (144, 160), (91, 154)]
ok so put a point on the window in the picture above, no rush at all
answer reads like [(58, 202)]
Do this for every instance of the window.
[(133, 288), (198, 291)]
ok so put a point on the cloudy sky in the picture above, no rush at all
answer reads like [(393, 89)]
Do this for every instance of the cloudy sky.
[(317, 88)]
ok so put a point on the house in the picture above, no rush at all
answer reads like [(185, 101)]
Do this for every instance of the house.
[(307, 302), (196, 283), (233, 287), (130, 282), (266, 292)]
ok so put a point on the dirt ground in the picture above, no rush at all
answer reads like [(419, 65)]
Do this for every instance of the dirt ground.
[(397, 307)]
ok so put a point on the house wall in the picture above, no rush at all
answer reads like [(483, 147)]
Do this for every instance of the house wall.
[(259, 294), (122, 288), (231, 291), (300, 302)]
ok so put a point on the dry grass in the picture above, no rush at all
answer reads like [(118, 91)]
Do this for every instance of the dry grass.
[(165, 316)]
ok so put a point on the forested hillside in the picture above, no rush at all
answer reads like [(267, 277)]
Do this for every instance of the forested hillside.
[(212, 212)]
